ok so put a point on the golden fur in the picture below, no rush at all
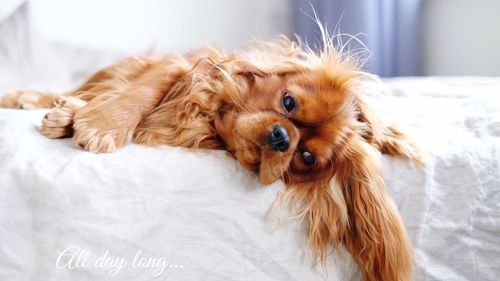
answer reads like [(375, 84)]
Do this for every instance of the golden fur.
[(210, 99)]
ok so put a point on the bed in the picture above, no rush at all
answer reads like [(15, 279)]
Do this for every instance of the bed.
[(167, 213)]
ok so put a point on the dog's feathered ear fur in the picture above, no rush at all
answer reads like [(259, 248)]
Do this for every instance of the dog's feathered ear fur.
[(375, 236), (388, 139), (354, 209)]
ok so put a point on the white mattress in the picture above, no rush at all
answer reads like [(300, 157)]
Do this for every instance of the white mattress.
[(209, 218)]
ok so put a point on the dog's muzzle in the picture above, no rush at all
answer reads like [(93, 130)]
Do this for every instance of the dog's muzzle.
[(278, 139)]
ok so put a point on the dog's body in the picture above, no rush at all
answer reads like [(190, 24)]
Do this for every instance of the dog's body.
[(281, 111)]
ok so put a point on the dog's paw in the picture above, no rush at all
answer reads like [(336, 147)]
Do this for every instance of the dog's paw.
[(27, 99), (58, 123), (100, 132)]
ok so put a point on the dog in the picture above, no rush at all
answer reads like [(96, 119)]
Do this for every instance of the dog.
[(283, 110)]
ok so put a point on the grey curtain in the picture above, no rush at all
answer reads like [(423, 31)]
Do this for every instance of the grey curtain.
[(390, 28)]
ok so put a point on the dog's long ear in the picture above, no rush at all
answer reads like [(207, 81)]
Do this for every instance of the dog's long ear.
[(351, 207), (376, 236), (387, 139), (322, 203)]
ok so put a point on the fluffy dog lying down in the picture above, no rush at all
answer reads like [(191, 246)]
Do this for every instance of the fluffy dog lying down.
[(281, 109)]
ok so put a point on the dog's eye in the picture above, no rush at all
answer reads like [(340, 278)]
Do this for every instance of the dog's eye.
[(308, 158), (288, 102)]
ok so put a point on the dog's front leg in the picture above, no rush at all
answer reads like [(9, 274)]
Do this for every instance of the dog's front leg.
[(109, 120)]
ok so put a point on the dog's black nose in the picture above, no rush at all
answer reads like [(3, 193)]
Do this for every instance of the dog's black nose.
[(278, 139)]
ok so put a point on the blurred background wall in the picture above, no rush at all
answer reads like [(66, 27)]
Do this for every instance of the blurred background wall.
[(405, 37), (134, 26), (461, 37)]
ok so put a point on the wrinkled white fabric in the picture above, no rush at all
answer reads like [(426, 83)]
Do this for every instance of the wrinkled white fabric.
[(453, 209), (209, 218), (199, 210)]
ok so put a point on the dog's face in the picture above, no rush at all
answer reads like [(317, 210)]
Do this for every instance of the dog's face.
[(293, 124)]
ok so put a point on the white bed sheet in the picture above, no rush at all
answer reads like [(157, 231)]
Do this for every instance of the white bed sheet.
[(198, 210), (203, 212)]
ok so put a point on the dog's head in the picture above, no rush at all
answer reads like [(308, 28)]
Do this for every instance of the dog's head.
[(304, 122), (293, 124)]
